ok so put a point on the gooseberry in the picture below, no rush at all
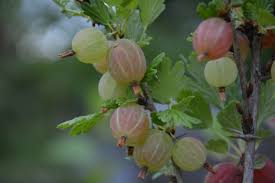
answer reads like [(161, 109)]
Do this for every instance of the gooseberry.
[(154, 153), (90, 45), (102, 66), (126, 62), (189, 154), (108, 88), (130, 125), (221, 73), (266, 174), (212, 39), (225, 173)]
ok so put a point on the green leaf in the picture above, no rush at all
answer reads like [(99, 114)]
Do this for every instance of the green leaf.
[(169, 80), (212, 9), (260, 161), (267, 102), (82, 124), (197, 108), (134, 28), (177, 118), (152, 70), (229, 118), (150, 10), (98, 11), (115, 103), (69, 7), (217, 145)]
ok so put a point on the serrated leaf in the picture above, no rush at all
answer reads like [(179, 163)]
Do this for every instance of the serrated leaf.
[(151, 72), (229, 118), (198, 108), (82, 124), (217, 145), (169, 81), (150, 10), (134, 28), (98, 11), (69, 7), (212, 9), (177, 118), (267, 102)]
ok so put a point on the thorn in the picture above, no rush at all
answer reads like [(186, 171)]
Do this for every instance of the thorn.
[(66, 54), (249, 89), (121, 141), (142, 173), (239, 108), (235, 131), (247, 137), (209, 168)]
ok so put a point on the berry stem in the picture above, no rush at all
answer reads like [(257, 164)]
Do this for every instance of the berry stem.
[(209, 167), (121, 141), (130, 150), (222, 94), (66, 54), (142, 173)]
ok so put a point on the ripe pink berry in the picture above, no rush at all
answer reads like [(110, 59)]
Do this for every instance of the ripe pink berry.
[(130, 124), (224, 173), (127, 62), (266, 174), (212, 39), (154, 153)]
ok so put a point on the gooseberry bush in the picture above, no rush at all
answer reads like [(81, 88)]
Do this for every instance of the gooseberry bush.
[(224, 89)]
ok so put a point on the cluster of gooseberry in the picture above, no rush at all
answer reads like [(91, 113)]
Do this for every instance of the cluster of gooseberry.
[(220, 70), (122, 64)]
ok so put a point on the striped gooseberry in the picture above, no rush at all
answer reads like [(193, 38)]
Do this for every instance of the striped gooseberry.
[(90, 45), (108, 88), (221, 73), (189, 154), (102, 66), (154, 153), (130, 125), (212, 39), (126, 61), (265, 174), (225, 173)]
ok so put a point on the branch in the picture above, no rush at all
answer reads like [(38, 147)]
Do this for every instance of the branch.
[(145, 99)]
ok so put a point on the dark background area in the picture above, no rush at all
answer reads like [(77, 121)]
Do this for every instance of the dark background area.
[(38, 91)]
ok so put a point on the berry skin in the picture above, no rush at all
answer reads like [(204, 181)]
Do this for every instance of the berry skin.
[(212, 39), (273, 71), (102, 66), (130, 125), (127, 62), (155, 151), (221, 72), (108, 88), (189, 154), (266, 174), (224, 173), (90, 45)]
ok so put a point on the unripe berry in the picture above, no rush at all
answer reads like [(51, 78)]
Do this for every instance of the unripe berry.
[(108, 88), (155, 151), (126, 62), (273, 71), (102, 66), (189, 154), (221, 72), (266, 174), (213, 38), (90, 45), (130, 125), (225, 173)]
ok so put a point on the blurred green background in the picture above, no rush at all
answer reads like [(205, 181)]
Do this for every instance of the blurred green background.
[(38, 91)]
